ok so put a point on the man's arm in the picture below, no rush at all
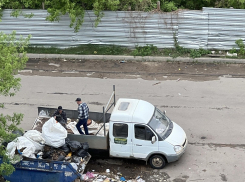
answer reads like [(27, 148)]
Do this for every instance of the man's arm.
[(85, 110), (64, 116)]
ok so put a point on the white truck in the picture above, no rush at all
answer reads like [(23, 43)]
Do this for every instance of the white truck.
[(138, 130)]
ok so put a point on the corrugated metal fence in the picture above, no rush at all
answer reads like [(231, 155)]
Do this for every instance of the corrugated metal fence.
[(211, 28)]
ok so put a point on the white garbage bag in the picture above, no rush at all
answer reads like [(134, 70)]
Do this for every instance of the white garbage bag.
[(72, 126), (94, 128), (36, 138), (23, 145), (54, 133)]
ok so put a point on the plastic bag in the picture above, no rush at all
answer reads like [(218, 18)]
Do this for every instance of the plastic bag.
[(36, 138), (76, 159), (54, 133), (65, 148), (85, 146), (74, 165), (72, 126), (81, 153), (61, 158), (74, 145), (21, 145)]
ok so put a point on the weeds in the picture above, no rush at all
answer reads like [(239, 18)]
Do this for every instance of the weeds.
[(147, 50), (88, 49), (241, 46)]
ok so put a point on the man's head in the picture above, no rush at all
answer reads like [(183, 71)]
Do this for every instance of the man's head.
[(60, 109), (78, 100)]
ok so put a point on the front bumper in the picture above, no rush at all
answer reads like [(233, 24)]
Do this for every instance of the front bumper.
[(175, 157)]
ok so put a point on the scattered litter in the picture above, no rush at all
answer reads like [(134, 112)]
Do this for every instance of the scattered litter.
[(156, 83), (231, 54), (90, 175), (89, 74), (53, 64), (107, 170), (178, 79), (24, 71), (74, 165), (227, 76), (122, 61), (134, 75), (122, 179), (70, 72), (179, 93)]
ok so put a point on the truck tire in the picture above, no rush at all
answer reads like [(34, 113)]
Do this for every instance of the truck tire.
[(157, 162)]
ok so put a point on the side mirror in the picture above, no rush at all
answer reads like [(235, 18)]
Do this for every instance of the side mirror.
[(153, 139), (164, 112)]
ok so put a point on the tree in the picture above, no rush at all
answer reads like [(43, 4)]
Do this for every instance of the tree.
[(74, 8), (10, 62)]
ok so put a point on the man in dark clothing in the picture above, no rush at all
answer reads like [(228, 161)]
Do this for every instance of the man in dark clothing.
[(60, 112), (83, 111)]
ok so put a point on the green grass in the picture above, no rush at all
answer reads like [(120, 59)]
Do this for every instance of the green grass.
[(88, 49), (148, 50)]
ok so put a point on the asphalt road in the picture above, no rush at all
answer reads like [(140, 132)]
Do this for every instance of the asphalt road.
[(211, 113)]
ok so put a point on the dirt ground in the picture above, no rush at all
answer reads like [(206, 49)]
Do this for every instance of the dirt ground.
[(127, 168), (133, 69)]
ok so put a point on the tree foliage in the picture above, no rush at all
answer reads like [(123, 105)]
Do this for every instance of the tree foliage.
[(76, 8), (10, 62)]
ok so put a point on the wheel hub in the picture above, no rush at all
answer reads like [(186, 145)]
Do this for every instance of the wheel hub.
[(157, 162)]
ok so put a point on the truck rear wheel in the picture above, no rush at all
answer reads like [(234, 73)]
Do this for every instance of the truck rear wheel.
[(157, 162)]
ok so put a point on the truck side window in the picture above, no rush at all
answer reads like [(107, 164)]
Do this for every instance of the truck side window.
[(120, 130), (143, 132)]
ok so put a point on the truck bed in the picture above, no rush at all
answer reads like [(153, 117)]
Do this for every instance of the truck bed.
[(94, 141)]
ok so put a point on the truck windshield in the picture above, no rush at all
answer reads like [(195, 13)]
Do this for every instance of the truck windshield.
[(159, 122)]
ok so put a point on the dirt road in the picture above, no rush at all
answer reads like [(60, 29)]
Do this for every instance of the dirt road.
[(131, 69)]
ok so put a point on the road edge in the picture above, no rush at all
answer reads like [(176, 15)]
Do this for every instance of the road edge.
[(132, 58)]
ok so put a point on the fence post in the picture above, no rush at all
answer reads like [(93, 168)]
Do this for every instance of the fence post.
[(104, 119), (158, 5), (43, 5)]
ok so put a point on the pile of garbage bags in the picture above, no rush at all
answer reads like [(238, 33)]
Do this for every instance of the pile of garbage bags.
[(71, 151), (51, 144)]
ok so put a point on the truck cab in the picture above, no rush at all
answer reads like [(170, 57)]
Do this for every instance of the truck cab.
[(139, 130)]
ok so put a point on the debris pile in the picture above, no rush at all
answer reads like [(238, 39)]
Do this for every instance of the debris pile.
[(51, 144), (107, 177)]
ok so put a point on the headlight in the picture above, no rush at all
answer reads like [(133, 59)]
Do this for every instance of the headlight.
[(178, 149)]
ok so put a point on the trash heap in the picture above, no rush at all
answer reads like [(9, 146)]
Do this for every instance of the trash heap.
[(51, 144), (108, 177)]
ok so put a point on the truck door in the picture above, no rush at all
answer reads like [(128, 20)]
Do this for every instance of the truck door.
[(142, 144), (120, 140)]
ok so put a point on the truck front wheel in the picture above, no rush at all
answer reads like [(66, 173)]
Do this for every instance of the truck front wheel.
[(157, 162)]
